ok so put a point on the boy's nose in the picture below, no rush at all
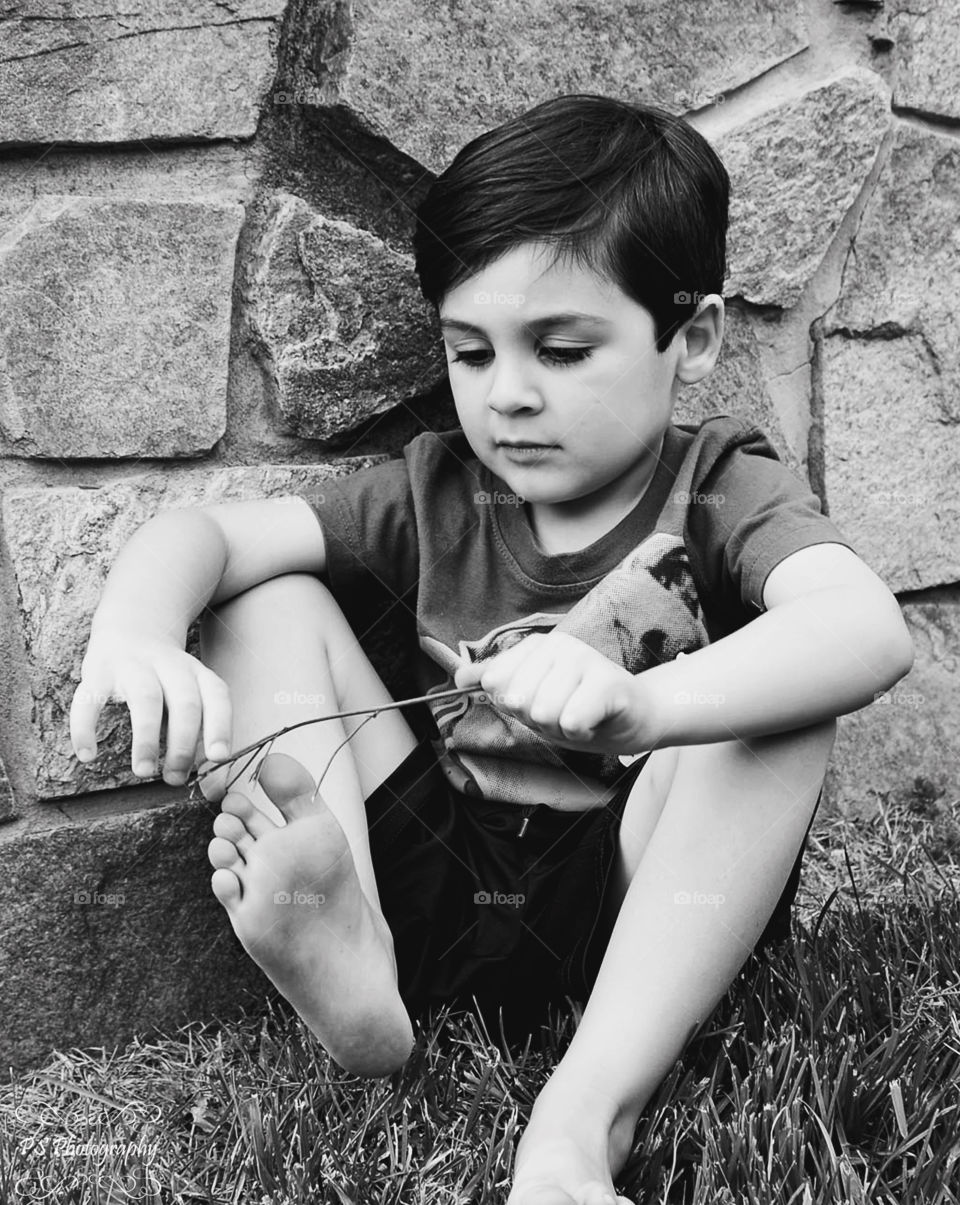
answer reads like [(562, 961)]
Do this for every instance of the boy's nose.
[(509, 393)]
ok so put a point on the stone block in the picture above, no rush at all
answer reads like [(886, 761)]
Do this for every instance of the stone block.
[(795, 171), (429, 78), (343, 327), (737, 386), (115, 321), (7, 801), (110, 927), (912, 731), (191, 69), (890, 371), (927, 56), (62, 542)]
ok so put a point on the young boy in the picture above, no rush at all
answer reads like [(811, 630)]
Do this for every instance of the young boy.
[(611, 820)]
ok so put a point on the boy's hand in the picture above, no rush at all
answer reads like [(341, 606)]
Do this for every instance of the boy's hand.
[(150, 675), (568, 692)]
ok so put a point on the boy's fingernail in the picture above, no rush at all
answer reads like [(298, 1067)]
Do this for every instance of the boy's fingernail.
[(218, 750), (85, 754), (145, 769)]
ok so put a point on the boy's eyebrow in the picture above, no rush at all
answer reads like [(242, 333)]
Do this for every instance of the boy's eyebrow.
[(567, 318)]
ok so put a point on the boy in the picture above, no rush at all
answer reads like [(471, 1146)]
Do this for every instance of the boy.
[(610, 819)]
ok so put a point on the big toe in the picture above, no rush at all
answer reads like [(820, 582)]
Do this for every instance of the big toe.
[(287, 783)]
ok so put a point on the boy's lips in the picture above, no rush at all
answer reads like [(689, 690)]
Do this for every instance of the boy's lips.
[(523, 443), (525, 451)]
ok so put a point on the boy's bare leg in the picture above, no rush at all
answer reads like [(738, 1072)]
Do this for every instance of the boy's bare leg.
[(294, 872), (709, 836)]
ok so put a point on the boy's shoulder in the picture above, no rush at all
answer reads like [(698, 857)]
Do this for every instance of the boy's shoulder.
[(717, 433)]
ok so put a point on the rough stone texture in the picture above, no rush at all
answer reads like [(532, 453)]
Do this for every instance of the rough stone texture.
[(7, 801), (927, 56), (344, 329), (115, 320), (890, 375), (914, 731), (62, 543), (429, 77), (794, 173), (737, 386), (110, 927), (191, 69)]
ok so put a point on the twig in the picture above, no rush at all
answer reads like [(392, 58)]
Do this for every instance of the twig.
[(369, 712)]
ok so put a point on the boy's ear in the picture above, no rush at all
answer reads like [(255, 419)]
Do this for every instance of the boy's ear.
[(699, 340)]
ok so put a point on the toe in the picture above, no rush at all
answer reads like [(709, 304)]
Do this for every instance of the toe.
[(224, 855), (287, 783), (232, 829), (226, 887), (254, 820)]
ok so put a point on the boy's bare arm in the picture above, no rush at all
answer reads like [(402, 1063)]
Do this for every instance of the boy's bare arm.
[(831, 640), (167, 572)]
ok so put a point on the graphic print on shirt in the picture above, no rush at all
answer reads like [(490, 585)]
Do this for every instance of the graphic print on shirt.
[(643, 613)]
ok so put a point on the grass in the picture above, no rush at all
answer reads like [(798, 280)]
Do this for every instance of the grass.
[(830, 1074)]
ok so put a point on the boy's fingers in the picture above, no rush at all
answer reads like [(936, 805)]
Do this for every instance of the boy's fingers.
[(85, 707), (552, 692), (467, 674), (217, 715), (184, 710), (141, 692), (497, 671)]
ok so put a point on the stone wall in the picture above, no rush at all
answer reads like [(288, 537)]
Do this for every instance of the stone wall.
[(207, 292)]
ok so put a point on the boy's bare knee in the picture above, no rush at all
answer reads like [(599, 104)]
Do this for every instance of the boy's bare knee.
[(814, 741)]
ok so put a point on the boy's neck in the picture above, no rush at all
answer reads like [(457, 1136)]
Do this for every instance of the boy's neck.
[(564, 527)]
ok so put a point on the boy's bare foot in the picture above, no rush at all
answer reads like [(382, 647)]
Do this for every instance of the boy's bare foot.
[(570, 1151), (296, 904)]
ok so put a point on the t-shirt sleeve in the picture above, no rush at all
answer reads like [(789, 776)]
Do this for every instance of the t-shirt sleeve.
[(370, 536), (747, 515)]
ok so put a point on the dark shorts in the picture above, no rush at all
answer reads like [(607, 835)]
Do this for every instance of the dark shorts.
[(479, 912)]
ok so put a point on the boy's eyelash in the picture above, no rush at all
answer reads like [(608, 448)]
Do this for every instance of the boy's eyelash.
[(559, 355)]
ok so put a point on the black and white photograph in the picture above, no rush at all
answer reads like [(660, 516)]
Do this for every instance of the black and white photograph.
[(480, 602)]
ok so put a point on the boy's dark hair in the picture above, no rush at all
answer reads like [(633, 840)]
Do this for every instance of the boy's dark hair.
[(624, 189)]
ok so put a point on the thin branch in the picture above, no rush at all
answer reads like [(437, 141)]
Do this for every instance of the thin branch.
[(369, 712)]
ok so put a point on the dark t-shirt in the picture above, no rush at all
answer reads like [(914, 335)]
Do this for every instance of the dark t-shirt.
[(444, 539)]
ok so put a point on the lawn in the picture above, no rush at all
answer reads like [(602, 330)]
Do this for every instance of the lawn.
[(832, 1073)]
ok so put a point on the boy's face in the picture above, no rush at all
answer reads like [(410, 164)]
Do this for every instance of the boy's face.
[(591, 396)]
